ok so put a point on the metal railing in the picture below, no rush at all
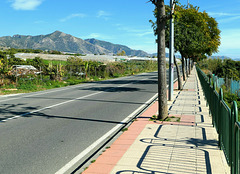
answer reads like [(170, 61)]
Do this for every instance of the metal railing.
[(224, 119), (229, 83)]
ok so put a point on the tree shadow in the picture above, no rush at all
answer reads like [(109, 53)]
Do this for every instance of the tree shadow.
[(8, 111), (47, 116), (113, 89), (28, 112), (128, 81), (158, 154)]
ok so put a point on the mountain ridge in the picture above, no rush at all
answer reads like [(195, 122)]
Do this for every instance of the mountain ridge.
[(61, 41)]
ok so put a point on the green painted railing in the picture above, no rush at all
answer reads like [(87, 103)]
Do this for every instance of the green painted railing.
[(224, 119)]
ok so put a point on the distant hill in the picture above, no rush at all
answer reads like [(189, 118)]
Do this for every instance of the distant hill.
[(115, 48), (167, 55), (219, 57), (60, 41)]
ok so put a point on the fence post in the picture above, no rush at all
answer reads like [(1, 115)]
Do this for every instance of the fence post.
[(234, 139), (208, 95), (214, 104), (219, 118)]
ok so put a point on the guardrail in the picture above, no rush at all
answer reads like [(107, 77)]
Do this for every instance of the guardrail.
[(224, 119)]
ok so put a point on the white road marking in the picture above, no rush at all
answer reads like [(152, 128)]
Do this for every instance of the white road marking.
[(45, 92), (54, 90), (100, 140), (48, 107)]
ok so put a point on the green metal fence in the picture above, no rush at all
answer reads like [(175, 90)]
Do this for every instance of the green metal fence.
[(224, 119)]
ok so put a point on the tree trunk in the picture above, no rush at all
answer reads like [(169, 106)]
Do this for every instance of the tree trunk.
[(162, 84), (189, 65), (186, 67), (183, 68), (180, 86)]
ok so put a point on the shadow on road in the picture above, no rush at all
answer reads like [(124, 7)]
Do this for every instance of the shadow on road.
[(39, 114), (8, 111), (127, 81)]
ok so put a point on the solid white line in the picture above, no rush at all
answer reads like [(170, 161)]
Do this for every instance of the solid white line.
[(100, 140)]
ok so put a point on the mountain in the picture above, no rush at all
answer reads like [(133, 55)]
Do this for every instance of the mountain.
[(219, 57), (167, 55), (60, 41), (115, 48), (55, 41)]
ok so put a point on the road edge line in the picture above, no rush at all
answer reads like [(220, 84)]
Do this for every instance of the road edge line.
[(71, 163)]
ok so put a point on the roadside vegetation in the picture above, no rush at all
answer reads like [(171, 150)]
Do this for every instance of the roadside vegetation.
[(12, 51), (227, 69), (53, 73)]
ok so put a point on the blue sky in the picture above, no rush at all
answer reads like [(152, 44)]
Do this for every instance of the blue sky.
[(123, 22)]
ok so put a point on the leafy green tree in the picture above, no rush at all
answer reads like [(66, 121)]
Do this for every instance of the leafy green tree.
[(122, 53), (37, 62), (16, 61), (196, 34), (230, 69)]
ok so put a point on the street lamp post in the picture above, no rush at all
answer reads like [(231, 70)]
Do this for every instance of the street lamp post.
[(171, 53)]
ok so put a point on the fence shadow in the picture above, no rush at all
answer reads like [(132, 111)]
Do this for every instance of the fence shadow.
[(165, 155)]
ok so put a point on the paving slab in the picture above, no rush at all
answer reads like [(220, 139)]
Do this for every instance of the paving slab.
[(188, 146)]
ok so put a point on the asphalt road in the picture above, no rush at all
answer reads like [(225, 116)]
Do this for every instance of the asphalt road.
[(42, 132)]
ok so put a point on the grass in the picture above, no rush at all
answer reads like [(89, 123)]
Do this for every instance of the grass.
[(55, 62), (167, 119), (124, 129), (33, 83)]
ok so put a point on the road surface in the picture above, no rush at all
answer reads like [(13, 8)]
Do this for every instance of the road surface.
[(50, 131)]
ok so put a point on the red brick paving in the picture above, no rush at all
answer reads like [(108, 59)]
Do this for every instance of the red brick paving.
[(107, 161), (111, 156)]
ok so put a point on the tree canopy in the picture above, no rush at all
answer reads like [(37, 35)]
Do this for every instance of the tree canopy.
[(196, 34)]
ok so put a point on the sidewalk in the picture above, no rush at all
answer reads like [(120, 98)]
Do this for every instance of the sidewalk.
[(188, 146)]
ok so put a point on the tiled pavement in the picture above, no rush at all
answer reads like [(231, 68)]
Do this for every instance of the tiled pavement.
[(188, 146)]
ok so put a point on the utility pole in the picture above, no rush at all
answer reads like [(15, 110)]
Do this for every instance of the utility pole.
[(171, 53), (188, 4)]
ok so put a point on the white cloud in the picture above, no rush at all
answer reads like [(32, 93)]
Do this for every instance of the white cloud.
[(25, 4), (103, 14), (77, 15), (97, 36), (216, 14), (229, 19), (145, 33), (225, 17), (134, 31)]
